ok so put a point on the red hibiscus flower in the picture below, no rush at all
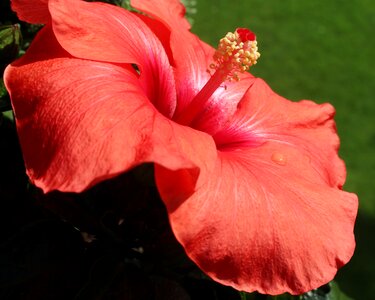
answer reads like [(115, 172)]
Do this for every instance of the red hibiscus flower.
[(252, 182)]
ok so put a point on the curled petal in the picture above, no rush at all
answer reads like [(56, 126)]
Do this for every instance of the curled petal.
[(170, 12), (35, 11), (102, 32), (191, 56), (81, 121)]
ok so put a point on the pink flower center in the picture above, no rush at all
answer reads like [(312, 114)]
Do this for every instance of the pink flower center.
[(235, 54)]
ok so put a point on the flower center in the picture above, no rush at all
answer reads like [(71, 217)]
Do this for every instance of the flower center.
[(235, 54)]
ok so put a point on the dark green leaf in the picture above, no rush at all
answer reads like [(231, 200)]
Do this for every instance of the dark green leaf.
[(10, 40), (4, 98), (283, 297), (257, 296), (329, 291)]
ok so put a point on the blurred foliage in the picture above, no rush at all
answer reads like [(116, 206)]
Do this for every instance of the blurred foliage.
[(95, 245)]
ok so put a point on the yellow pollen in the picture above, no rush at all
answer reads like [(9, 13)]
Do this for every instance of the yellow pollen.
[(235, 56)]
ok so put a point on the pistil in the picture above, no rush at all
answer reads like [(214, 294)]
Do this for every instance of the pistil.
[(235, 54)]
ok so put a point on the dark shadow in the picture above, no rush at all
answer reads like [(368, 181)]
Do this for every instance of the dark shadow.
[(357, 278)]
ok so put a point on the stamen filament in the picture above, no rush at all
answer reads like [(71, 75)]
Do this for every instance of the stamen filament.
[(236, 53), (199, 101)]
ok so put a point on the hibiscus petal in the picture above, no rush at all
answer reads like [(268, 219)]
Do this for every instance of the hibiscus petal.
[(222, 105), (81, 121), (258, 226), (35, 11), (269, 217), (265, 116), (171, 12), (103, 32), (191, 56)]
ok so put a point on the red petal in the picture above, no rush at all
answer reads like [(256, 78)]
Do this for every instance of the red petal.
[(222, 105), (103, 32), (259, 226), (170, 12), (269, 217), (265, 116), (81, 121), (35, 11), (191, 56)]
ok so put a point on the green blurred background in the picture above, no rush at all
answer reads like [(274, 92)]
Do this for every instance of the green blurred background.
[(324, 51)]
